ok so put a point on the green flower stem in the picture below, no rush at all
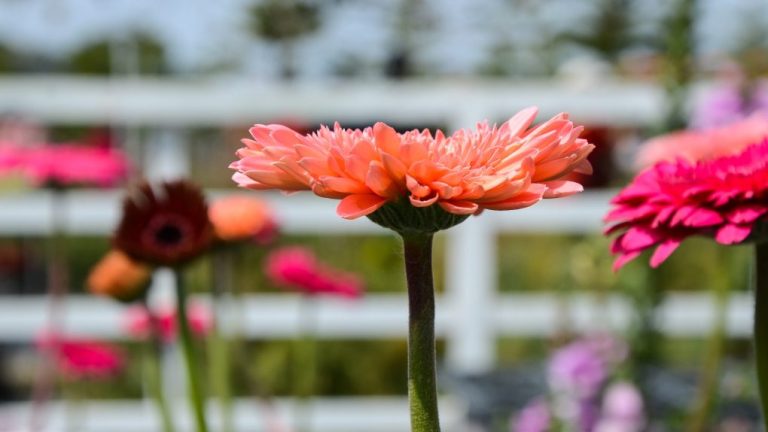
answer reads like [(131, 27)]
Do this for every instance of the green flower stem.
[(220, 345), (194, 390), (305, 359), (153, 372), (422, 382), (706, 396), (761, 325)]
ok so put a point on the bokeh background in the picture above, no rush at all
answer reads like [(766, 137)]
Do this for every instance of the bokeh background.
[(175, 84)]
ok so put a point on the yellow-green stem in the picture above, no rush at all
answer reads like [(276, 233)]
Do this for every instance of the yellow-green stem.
[(761, 326), (422, 381), (153, 371), (708, 384), (221, 341), (194, 390)]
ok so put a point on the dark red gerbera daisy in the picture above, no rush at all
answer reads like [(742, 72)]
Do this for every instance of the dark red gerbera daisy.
[(166, 225)]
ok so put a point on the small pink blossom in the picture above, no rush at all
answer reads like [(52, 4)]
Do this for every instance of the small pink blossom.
[(703, 145), (623, 409), (65, 164), (729, 103), (578, 370), (535, 417), (297, 268), (82, 359), (137, 322), (724, 198)]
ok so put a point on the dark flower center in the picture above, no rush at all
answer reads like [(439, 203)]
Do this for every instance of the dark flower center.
[(168, 232), (169, 235)]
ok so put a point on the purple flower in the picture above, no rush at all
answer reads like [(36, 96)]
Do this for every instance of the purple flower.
[(534, 417), (727, 104), (577, 370)]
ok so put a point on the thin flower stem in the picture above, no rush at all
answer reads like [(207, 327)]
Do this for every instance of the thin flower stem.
[(154, 371), (194, 390), (761, 325), (707, 392), (422, 382), (222, 340)]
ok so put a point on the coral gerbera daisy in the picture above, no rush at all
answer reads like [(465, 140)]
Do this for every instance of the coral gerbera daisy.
[(725, 198), (165, 225), (416, 184), (497, 168)]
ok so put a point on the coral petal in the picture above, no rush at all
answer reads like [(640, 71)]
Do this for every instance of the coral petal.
[(459, 207), (386, 138), (562, 188), (354, 206)]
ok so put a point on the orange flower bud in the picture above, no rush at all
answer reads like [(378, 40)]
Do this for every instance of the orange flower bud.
[(239, 218), (117, 275)]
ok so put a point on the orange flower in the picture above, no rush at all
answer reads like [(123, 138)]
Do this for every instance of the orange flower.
[(118, 276), (703, 145), (497, 168), (239, 218)]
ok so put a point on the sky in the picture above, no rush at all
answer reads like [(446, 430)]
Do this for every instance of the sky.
[(451, 36)]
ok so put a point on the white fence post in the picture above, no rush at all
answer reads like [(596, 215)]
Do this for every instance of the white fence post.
[(471, 288)]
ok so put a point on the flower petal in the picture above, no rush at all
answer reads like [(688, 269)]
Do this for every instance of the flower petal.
[(663, 251), (732, 234), (354, 206), (459, 207), (562, 188)]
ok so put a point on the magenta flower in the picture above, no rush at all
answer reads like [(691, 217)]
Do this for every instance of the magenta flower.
[(297, 268), (723, 198), (137, 322), (82, 359), (65, 164)]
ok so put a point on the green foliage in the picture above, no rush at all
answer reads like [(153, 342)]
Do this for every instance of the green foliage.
[(608, 33), (281, 20), (140, 51), (6, 57), (342, 367)]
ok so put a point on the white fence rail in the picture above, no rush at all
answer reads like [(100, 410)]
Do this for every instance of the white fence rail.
[(471, 315)]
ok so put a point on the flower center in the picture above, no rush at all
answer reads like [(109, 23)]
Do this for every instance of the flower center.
[(168, 231), (168, 234)]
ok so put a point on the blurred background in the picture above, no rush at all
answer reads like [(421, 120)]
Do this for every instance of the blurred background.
[(176, 84)]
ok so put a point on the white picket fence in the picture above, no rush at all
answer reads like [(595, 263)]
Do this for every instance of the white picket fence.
[(471, 315)]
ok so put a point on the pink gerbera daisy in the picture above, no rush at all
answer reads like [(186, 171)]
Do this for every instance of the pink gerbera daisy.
[(725, 198)]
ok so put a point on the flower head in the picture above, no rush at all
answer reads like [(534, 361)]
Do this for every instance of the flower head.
[(725, 198), (535, 417), (167, 225), (730, 102), (138, 322), (82, 359), (578, 370), (65, 165), (415, 180), (297, 268), (702, 145), (118, 276), (239, 218)]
